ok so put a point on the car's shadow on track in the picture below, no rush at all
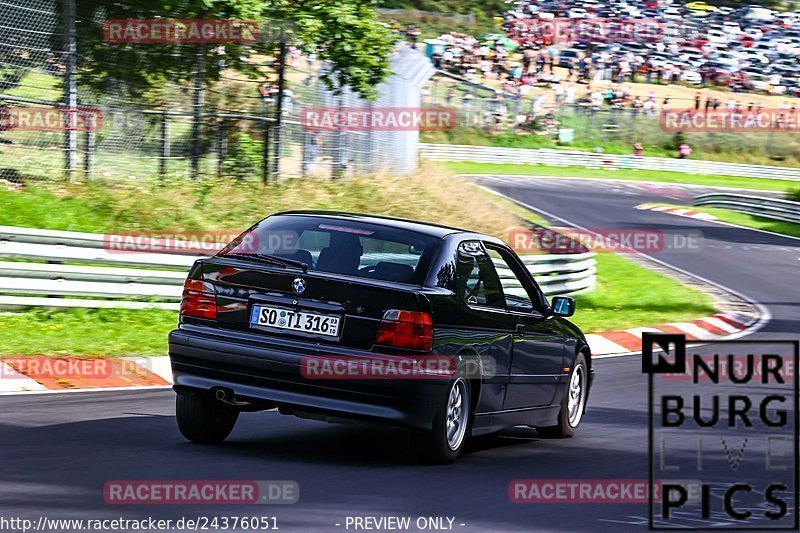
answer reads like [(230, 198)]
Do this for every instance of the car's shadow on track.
[(268, 437), (351, 444)]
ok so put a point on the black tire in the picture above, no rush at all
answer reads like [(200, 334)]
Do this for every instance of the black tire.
[(433, 447), (567, 426), (203, 419)]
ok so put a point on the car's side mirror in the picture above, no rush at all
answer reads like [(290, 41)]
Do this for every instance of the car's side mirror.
[(563, 306)]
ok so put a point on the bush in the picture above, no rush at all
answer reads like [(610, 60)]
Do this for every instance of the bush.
[(245, 156), (677, 140)]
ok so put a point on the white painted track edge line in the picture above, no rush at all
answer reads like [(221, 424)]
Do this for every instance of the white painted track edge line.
[(764, 315), (95, 389), (616, 180)]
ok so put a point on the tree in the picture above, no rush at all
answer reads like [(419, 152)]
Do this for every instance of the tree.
[(22, 46), (344, 32)]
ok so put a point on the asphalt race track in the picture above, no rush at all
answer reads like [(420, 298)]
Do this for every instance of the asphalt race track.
[(58, 450), (760, 266)]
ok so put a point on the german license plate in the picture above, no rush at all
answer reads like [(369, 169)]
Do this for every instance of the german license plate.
[(279, 318)]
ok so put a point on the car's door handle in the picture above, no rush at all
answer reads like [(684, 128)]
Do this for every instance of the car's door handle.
[(519, 329)]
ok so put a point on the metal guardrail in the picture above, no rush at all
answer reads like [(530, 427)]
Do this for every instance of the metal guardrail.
[(772, 208), (573, 158), (555, 273), (103, 278)]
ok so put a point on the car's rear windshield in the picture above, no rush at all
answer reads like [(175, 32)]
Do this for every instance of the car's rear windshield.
[(340, 246)]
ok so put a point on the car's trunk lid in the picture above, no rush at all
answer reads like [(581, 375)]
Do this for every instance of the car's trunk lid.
[(358, 303)]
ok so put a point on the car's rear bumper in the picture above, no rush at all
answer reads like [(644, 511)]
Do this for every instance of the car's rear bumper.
[(267, 372)]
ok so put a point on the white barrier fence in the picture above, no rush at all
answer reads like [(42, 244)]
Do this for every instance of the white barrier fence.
[(772, 208), (555, 273), (95, 277), (573, 158)]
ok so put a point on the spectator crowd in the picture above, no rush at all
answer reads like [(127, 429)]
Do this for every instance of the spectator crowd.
[(571, 47)]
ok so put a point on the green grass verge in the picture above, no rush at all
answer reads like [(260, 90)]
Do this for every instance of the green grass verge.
[(38, 86), (750, 221), (109, 332), (622, 174), (628, 295)]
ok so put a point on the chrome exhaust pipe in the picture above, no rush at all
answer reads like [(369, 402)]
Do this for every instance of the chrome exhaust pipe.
[(228, 397)]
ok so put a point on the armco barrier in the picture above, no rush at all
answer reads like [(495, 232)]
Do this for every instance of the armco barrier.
[(555, 273), (573, 158), (783, 210), (50, 283)]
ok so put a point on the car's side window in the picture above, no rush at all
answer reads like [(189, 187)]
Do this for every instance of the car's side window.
[(516, 295), (477, 282)]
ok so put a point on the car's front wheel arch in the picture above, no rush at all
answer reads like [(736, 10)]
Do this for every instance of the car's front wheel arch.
[(587, 357)]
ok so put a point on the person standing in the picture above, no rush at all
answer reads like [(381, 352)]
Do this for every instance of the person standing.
[(684, 151), (559, 94), (573, 70), (570, 95), (526, 60), (413, 34), (311, 153)]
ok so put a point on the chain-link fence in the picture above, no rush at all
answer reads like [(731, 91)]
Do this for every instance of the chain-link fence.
[(544, 116), (206, 109)]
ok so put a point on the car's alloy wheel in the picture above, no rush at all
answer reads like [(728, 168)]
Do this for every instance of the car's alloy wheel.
[(573, 403), (444, 443), (457, 414), (576, 396)]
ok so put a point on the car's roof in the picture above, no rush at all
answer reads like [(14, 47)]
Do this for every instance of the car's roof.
[(435, 230)]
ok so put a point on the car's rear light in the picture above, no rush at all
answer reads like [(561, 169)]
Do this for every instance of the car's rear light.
[(198, 302), (406, 329)]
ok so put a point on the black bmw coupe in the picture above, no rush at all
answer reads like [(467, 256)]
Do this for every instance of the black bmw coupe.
[(338, 316)]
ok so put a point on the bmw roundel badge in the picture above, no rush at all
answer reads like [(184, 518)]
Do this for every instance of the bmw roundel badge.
[(299, 285)]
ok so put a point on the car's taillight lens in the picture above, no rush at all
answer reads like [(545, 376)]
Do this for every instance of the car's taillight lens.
[(406, 329), (198, 302)]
